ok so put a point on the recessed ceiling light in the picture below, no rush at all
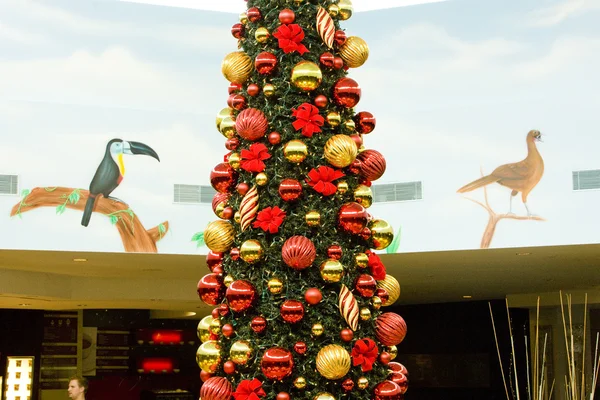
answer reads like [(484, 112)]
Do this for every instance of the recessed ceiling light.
[(467, 296), (190, 314), (523, 254), (80, 259), (24, 304)]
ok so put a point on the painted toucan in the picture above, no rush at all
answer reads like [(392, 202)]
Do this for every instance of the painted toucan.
[(111, 171)]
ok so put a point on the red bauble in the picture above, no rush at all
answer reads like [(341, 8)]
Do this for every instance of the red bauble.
[(265, 63), (338, 63), (290, 190), (372, 164), (348, 385), (213, 259), (292, 311), (283, 396), (253, 89), (385, 358), (354, 167), (346, 92), (277, 363), (390, 329), (243, 188), (346, 335), (227, 213), (215, 313), (251, 124), (254, 14), (400, 379), (218, 200), (228, 368), (240, 295), (238, 30), (227, 330), (357, 139), (327, 59), (313, 296), (298, 252), (223, 177), (211, 289), (365, 285), (387, 390), (234, 87), (204, 376), (274, 138), (234, 253), (321, 101), (236, 101), (334, 252), (223, 309), (258, 324), (352, 218), (232, 144), (397, 367), (300, 348), (365, 122), (340, 37), (216, 388), (382, 294), (286, 16)]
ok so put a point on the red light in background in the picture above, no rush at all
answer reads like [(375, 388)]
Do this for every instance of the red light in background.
[(157, 364), (166, 336)]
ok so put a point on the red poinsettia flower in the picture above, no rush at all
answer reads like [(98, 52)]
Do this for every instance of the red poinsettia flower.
[(307, 119), (377, 268), (269, 219), (320, 179), (249, 390), (290, 38), (252, 159), (364, 353)]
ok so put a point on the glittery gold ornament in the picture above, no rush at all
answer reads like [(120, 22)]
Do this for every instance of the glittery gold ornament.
[(219, 235), (224, 113), (333, 361), (300, 382), (382, 233), (363, 195), (275, 285), (307, 76), (332, 271), (365, 314), (346, 9), (295, 151), (237, 217), (269, 90), (262, 35), (362, 260), (392, 287), (227, 127), (354, 52), (237, 67), (376, 302), (350, 125), (362, 383), (243, 18), (215, 326), (340, 151), (234, 160), (208, 356), (324, 396), (203, 328), (393, 350), (334, 10), (313, 218), (342, 187), (240, 352), (333, 118), (317, 329), (251, 251), (228, 280), (261, 179)]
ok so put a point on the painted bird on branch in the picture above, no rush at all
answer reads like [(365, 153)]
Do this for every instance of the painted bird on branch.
[(111, 171), (521, 176)]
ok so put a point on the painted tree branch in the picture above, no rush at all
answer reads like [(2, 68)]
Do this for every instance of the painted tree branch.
[(135, 238)]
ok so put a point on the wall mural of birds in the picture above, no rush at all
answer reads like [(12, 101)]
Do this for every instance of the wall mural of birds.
[(111, 171)]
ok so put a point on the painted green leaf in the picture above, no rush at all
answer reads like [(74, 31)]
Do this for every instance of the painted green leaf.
[(114, 219), (162, 229), (393, 247), (25, 192), (61, 209), (74, 196), (198, 238)]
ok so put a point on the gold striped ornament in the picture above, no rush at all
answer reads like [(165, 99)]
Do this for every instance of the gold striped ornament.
[(333, 362), (354, 52), (348, 307), (340, 151), (219, 235), (248, 208), (237, 67), (392, 287), (325, 27)]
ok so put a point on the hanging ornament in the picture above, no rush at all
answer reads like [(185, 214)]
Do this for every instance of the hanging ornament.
[(333, 362), (238, 31), (321, 101), (313, 296), (300, 348), (392, 288), (258, 324), (365, 122), (275, 285), (223, 177), (324, 396), (286, 16), (365, 314), (300, 382), (352, 218), (202, 329), (290, 190), (306, 76), (219, 202), (390, 329), (251, 124), (327, 60), (242, 188), (234, 160), (228, 280), (235, 252), (354, 52), (243, 18), (350, 126), (234, 87), (216, 388), (283, 396), (253, 89), (227, 330), (215, 326), (228, 368), (295, 151), (382, 233), (248, 208), (372, 165), (292, 311), (346, 335), (240, 352), (240, 295), (227, 127), (254, 14), (317, 329), (261, 34), (251, 251), (236, 67), (211, 289), (204, 376), (387, 390), (365, 285), (208, 356), (340, 151), (312, 218), (346, 92), (325, 27), (232, 143), (348, 307), (382, 294), (277, 363), (385, 358), (269, 90), (401, 380), (397, 367), (261, 179), (376, 302), (334, 10), (298, 252), (219, 235), (340, 38), (363, 195), (237, 102), (332, 271), (265, 63), (393, 351), (348, 385), (346, 9), (224, 113), (227, 213), (338, 63), (334, 252), (362, 260), (362, 383), (333, 118)]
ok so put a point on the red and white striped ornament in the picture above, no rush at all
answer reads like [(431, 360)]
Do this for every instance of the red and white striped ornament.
[(349, 307), (325, 27), (248, 208)]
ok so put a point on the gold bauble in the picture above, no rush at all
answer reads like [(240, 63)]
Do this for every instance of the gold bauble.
[(203, 328), (300, 382), (307, 76), (346, 9), (317, 329), (350, 125), (215, 326), (237, 67), (275, 285), (219, 209), (333, 118), (237, 217), (376, 302), (224, 113), (332, 270), (262, 34), (251, 251), (334, 10), (362, 260), (333, 361), (393, 351), (324, 396), (342, 187), (313, 218), (208, 356), (362, 383), (363, 195), (261, 179), (269, 90), (227, 127), (228, 280), (240, 352), (382, 233), (295, 151), (340, 151), (234, 160), (365, 314), (354, 52), (392, 287), (243, 18), (219, 235)]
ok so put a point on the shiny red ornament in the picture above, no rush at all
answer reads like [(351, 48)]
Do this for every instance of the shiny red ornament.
[(357, 139), (283, 396), (321, 101), (400, 379), (287, 16), (253, 89), (387, 390), (227, 213), (204, 376), (215, 313), (390, 329), (211, 289), (265, 63), (290, 190), (223, 310), (258, 324), (397, 367), (346, 335), (352, 218), (340, 37), (277, 363), (234, 253), (228, 368), (372, 164), (385, 358), (382, 294), (243, 188), (298, 252), (254, 14), (292, 311), (213, 259), (218, 270), (365, 285), (234, 87), (338, 63), (354, 167), (251, 124), (237, 101), (240, 295), (346, 92), (366, 233), (232, 144), (365, 122), (313, 296), (334, 252), (227, 330), (223, 177), (327, 59), (238, 31), (348, 385), (300, 348), (216, 388), (274, 138)]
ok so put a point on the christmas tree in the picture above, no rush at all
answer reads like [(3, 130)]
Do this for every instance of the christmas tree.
[(295, 281)]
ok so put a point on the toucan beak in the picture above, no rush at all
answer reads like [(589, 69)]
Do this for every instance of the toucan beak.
[(136, 148)]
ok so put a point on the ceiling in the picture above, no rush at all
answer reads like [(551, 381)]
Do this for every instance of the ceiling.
[(53, 280)]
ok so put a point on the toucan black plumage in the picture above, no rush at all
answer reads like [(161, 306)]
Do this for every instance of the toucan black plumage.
[(111, 171)]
